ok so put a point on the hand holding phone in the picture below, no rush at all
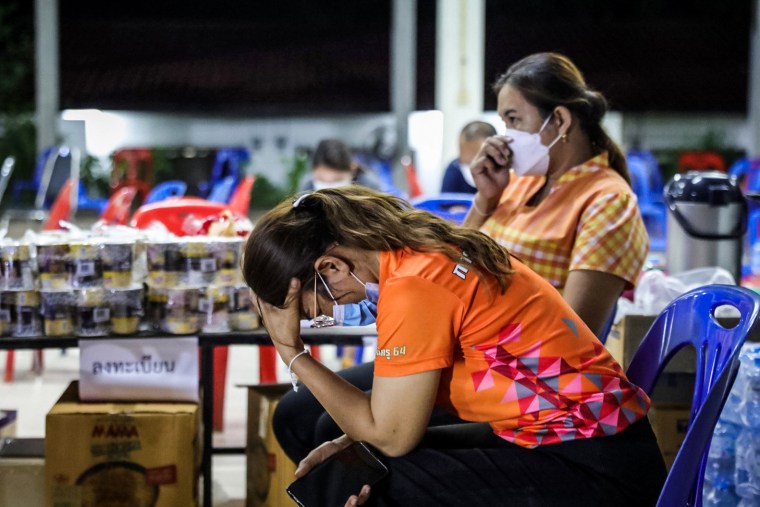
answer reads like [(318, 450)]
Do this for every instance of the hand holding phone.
[(334, 480)]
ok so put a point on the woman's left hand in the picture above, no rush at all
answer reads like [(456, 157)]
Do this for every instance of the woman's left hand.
[(284, 324)]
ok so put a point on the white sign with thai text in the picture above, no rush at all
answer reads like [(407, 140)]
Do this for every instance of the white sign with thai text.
[(144, 369)]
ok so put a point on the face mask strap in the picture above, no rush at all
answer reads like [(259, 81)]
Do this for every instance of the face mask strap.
[(326, 288), (357, 279), (543, 126)]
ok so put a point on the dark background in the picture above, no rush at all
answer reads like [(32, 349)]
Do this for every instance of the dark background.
[(303, 57)]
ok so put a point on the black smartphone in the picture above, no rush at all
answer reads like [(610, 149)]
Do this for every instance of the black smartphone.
[(334, 480)]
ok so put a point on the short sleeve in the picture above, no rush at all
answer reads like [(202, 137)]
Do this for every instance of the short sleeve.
[(611, 238), (417, 327)]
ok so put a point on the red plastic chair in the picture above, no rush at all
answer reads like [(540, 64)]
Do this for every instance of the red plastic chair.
[(173, 213), (61, 208), (240, 202), (132, 167), (119, 206), (701, 161)]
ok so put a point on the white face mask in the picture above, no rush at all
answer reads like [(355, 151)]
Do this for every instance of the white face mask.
[(467, 174), (320, 185), (529, 155)]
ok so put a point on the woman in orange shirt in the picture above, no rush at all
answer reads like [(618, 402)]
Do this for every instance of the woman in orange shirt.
[(550, 417)]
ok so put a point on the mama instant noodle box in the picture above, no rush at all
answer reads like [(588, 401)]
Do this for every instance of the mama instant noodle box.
[(117, 454)]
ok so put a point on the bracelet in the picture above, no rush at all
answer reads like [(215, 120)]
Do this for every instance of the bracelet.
[(478, 210), (293, 377)]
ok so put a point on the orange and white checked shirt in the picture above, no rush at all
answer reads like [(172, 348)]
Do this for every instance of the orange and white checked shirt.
[(590, 220)]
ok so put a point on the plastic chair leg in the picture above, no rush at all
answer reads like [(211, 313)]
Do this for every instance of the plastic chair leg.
[(9, 360), (267, 364), (220, 382)]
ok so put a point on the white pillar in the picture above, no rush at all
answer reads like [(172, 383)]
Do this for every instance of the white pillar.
[(403, 75), (753, 105), (46, 67), (459, 80)]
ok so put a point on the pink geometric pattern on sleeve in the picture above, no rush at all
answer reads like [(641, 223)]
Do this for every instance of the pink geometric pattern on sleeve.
[(554, 400)]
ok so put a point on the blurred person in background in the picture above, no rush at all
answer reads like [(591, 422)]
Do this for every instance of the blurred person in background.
[(458, 177), (555, 189), (332, 165)]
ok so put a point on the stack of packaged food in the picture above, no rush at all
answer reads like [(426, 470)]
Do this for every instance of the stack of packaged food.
[(74, 283)]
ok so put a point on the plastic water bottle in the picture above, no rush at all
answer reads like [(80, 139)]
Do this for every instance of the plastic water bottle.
[(734, 403), (719, 494), (750, 408), (747, 468), (749, 502), (722, 454)]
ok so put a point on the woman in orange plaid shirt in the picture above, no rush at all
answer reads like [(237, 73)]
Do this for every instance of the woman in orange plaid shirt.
[(566, 207)]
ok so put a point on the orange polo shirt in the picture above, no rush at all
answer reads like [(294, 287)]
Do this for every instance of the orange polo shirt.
[(522, 361)]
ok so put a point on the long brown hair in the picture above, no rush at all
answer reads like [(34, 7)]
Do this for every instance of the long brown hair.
[(548, 80), (287, 241)]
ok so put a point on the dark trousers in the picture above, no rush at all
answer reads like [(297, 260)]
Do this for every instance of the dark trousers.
[(301, 424), (465, 464)]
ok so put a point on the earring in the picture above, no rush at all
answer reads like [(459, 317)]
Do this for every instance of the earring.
[(564, 138)]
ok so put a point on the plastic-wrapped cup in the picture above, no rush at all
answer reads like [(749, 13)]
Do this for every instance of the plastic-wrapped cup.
[(164, 260), (214, 308), (226, 251), (182, 315), (16, 266), (92, 316), (199, 266), (117, 264), (242, 315), (52, 262), (57, 312), (156, 307), (126, 309), (25, 314), (86, 265)]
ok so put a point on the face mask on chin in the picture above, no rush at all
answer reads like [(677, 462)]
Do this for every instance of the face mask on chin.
[(362, 313), (321, 185), (529, 155)]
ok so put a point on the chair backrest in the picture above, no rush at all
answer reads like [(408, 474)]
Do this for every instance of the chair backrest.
[(690, 320), (62, 164), (229, 162), (449, 206), (415, 189), (222, 190), (240, 202), (166, 190), (61, 208), (119, 206)]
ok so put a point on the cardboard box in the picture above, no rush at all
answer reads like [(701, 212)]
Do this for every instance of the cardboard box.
[(100, 454), (7, 423), (22, 472), (268, 468), (669, 422)]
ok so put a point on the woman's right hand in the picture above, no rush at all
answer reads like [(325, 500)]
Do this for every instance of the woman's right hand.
[(490, 168)]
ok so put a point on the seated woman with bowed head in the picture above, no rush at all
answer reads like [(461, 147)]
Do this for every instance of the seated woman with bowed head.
[(549, 417)]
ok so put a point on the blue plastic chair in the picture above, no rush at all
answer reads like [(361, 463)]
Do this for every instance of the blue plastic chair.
[(227, 162), (690, 320), (166, 190), (223, 190), (19, 186), (646, 181), (449, 206)]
